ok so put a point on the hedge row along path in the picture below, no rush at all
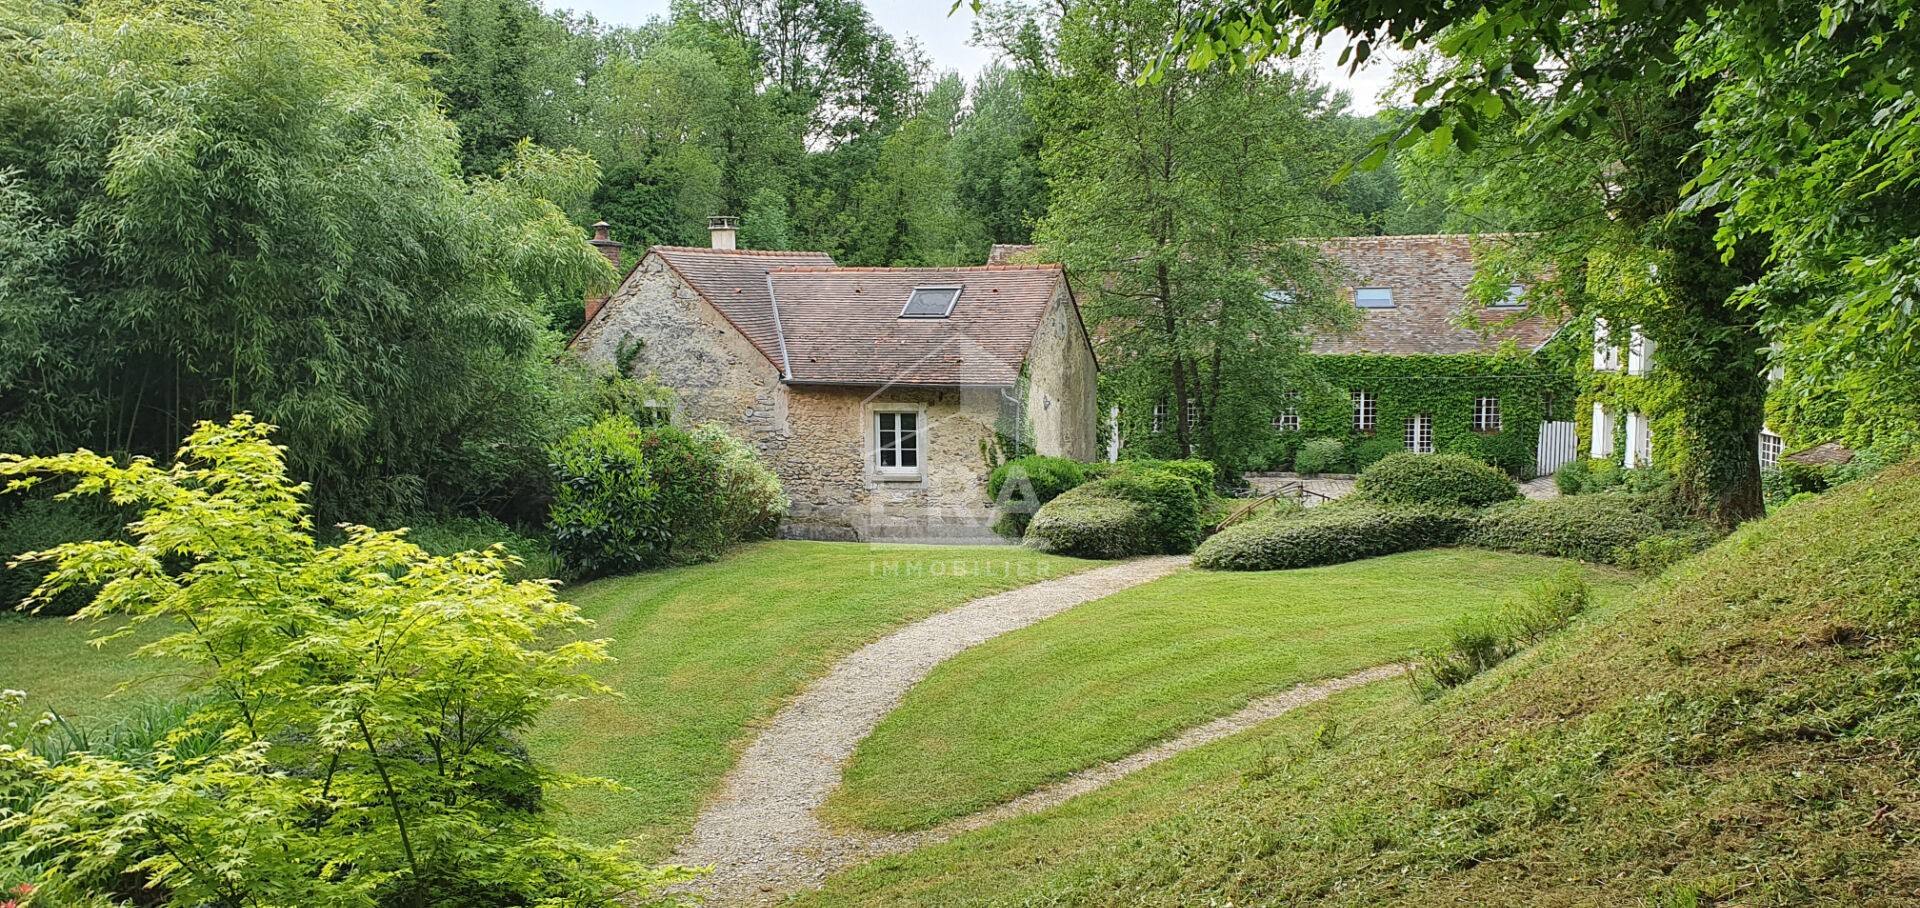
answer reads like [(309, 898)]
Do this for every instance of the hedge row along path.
[(762, 835)]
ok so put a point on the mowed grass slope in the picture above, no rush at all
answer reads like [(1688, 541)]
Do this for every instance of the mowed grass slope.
[(1742, 733), (1114, 676), (706, 651)]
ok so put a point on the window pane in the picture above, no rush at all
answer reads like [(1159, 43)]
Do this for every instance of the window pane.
[(1373, 297)]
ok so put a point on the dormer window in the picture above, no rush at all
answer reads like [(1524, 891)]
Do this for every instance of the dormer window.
[(931, 302), (1516, 294), (1373, 297)]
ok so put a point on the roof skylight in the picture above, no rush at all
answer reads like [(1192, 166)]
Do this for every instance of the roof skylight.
[(931, 302)]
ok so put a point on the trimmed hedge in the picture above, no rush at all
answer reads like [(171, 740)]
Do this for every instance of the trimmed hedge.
[(1201, 474), (1588, 527), (1442, 480), (1020, 487), (1331, 534), (1145, 513)]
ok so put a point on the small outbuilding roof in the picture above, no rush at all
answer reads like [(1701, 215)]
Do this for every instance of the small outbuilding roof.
[(1825, 454)]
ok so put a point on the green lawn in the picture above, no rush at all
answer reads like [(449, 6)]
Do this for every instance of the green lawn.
[(1029, 860), (1114, 676), (52, 661), (706, 651), (703, 653)]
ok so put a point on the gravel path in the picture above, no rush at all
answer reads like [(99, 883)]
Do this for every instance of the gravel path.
[(761, 834)]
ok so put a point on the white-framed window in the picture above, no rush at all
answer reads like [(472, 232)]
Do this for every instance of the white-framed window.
[(1606, 356), (1366, 411), (1601, 445), (1420, 434), (1192, 414), (1289, 418), (1159, 415), (1279, 298), (1639, 352), (899, 443), (1771, 447), (1373, 297), (1486, 414), (1515, 298)]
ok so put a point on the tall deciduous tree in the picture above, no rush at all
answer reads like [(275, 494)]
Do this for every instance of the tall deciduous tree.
[(1803, 144), (997, 153), (256, 206), (1179, 206)]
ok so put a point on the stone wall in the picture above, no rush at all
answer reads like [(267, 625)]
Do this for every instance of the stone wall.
[(829, 473), (1063, 385), (716, 374)]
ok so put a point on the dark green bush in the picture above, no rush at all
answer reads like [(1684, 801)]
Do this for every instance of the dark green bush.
[(1200, 474), (37, 524), (629, 497), (606, 516), (1023, 485), (1319, 455), (1442, 480), (1330, 534), (1368, 451), (1587, 527), (1145, 513)]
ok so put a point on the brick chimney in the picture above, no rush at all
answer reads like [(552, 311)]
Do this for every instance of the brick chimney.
[(607, 245), (723, 228), (610, 248)]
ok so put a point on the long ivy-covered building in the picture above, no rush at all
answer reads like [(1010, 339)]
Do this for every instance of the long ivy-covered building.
[(1429, 369)]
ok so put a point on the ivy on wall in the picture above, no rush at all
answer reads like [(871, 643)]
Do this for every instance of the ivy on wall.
[(1655, 394), (1530, 389)]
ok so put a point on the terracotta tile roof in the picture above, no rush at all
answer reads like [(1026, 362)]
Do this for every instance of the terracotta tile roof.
[(735, 282), (1825, 454), (843, 325), (1008, 253), (1428, 275)]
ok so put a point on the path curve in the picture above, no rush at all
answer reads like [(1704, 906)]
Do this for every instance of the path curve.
[(761, 834)]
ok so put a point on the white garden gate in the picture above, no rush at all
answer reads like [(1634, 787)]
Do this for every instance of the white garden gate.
[(1559, 445)]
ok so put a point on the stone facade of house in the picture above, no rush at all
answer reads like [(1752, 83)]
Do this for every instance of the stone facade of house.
[(814, 423)]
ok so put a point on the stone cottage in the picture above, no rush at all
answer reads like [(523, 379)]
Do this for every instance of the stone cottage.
[(878, 395)]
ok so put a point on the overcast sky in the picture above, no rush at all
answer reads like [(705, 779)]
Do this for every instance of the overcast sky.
[(945, 38)]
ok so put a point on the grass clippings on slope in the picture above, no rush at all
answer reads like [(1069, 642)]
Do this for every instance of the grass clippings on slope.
[(1742, 734), (1114, 676)]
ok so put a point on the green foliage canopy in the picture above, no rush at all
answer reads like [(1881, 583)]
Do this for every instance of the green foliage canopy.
[(369, 695), (256, 206)]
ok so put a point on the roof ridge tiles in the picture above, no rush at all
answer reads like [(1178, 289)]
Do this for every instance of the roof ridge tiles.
[(888, 269), (742, 252)]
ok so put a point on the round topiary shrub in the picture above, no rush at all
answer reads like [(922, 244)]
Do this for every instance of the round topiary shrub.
[(1588, 527), (1330, 534), (1442, 480), (1021, 486), (1148, 513)]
